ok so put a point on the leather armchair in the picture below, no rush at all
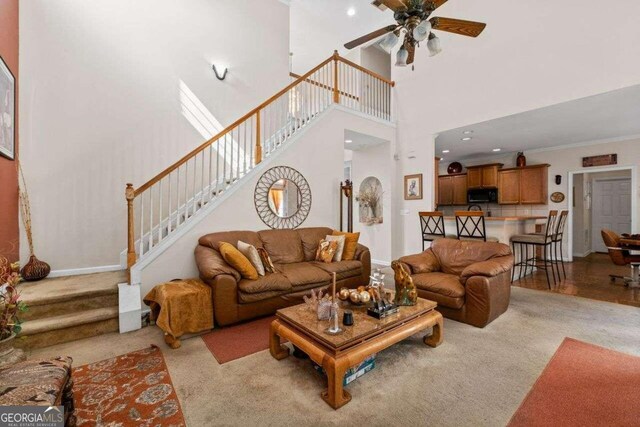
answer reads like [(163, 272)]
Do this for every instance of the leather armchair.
[(469, 280)]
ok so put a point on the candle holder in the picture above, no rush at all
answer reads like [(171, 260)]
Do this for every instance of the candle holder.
[(334, 328)]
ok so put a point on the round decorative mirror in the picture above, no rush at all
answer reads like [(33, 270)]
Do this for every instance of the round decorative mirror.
[(282, 197)]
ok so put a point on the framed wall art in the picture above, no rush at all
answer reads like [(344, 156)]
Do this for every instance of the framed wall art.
[(413, 187), (7, 111)]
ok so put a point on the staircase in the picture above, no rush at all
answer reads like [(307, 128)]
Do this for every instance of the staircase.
[(166, 203), (69, 308)]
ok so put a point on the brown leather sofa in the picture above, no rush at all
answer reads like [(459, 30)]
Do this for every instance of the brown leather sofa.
[(293, 254), (470, 281)]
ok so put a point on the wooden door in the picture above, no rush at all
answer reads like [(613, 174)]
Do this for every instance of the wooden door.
[(459, 189), (436, 182), (474, 178), (533, 185), (611, 201), (509, 187), (445, 192), (490, 176)]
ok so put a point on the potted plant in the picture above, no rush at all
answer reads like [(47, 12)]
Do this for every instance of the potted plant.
[(10, 306)]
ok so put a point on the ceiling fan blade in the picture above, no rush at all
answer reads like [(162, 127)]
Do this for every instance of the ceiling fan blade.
[(374, 35), (458, 26), (394, 5), (432, 4)]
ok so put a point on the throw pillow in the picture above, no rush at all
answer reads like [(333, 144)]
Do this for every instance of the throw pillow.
[(339, 252), (350, 244), (266, 260), (252, 255), (235, 259), (326, 251)]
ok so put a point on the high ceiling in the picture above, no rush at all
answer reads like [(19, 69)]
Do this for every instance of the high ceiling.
[(603, 117)]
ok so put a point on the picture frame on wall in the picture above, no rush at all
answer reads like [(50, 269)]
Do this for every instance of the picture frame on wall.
[(413, 187), (7, 111)]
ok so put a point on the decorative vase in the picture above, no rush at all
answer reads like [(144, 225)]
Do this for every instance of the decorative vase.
[(8, 354), (35, 269), (521, 160)]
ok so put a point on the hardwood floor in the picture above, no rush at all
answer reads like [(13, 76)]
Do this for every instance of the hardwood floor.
[(589, 278)]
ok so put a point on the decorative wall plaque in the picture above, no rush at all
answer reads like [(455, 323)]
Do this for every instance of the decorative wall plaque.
[(603, 160)]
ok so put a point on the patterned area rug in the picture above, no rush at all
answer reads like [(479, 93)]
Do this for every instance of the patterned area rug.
[(133, 389)]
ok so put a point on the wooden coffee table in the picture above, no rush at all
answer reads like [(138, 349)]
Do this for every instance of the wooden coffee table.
[(337, 353)]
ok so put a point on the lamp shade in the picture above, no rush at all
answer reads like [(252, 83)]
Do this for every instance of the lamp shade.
[(401, 57), (434, 45), (389, 41), (421, 32)]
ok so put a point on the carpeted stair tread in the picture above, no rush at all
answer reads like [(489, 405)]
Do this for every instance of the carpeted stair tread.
[(64, 321), (62, 289)]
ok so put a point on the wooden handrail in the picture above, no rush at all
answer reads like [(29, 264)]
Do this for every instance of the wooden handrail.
[(369, 72), (323, 86)]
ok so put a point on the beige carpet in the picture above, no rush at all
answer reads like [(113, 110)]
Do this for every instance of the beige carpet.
[(477, 377)]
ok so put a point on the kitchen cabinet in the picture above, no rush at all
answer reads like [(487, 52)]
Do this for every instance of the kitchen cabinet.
[(526, 186), (483, 176), (452, 190)]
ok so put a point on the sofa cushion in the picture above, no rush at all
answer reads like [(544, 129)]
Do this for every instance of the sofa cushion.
[(350, 244), (304, 273), (343, 269), (246, 298), (269, 282), (238, 261), (326, 251), (310, 238), (284, 246), (455, 255), (440, 283)]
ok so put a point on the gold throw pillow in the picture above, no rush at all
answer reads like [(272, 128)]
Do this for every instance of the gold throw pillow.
[(326, 251), (350, 244), (235, 259)]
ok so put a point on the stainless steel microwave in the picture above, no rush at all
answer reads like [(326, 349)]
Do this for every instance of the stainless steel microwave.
[(482, 195)]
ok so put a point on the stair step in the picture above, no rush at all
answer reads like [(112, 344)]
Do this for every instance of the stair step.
[(62, 289), (67, 327)]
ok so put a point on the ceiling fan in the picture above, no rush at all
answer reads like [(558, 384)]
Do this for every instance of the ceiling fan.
[(412, 16)]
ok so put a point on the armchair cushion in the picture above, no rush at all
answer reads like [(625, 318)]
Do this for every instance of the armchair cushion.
[(425, 262), (441, 283), (489, 268)]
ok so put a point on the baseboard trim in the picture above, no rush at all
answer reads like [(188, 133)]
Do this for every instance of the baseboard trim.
[(583, 255), (86, 270), (381, 262)]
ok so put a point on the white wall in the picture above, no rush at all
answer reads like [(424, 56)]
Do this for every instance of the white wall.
[(531, 55), (318, 154), (377, 162), (107, 86)]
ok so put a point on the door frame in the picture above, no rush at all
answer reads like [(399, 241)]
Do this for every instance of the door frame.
[(634, 199)]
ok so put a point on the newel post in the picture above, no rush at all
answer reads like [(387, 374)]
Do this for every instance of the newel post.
[(336, 90), (131, 250), (258, 144)]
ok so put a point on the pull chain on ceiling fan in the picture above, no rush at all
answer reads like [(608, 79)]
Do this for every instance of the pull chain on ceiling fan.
[(412, 18)]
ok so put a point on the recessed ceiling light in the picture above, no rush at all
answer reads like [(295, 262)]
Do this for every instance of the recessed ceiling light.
[(348, 141), (497, 149), (445, 151), (351, 11), (467, 132), (467, 138)]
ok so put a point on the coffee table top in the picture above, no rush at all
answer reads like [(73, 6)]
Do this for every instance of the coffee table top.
[(302, 317)]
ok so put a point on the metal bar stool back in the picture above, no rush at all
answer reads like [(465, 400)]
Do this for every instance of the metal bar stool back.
[(558, 241)]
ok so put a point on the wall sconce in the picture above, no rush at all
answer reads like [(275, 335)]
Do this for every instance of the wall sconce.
[(224, 73), (558, 179)]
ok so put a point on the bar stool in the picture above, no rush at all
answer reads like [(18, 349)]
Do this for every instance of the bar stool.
[(545, 240), (470, 225), (432, 225), (557, 241)]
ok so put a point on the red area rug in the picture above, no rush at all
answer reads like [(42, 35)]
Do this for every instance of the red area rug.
[(133, 389), (233, 342), (584, 384)]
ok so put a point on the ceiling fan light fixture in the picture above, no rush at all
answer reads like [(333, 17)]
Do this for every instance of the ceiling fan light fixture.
[(434, 45), (422, 31), (401, 57), (389, 42)]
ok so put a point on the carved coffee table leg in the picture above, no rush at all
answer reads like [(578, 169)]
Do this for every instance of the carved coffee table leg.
[(278, 351), (435, 339), (335, 395)]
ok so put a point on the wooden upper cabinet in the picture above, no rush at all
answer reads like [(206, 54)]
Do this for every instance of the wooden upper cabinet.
[(445, 192), (483, 176), (459, 187), (509, 187), (534, 185)]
